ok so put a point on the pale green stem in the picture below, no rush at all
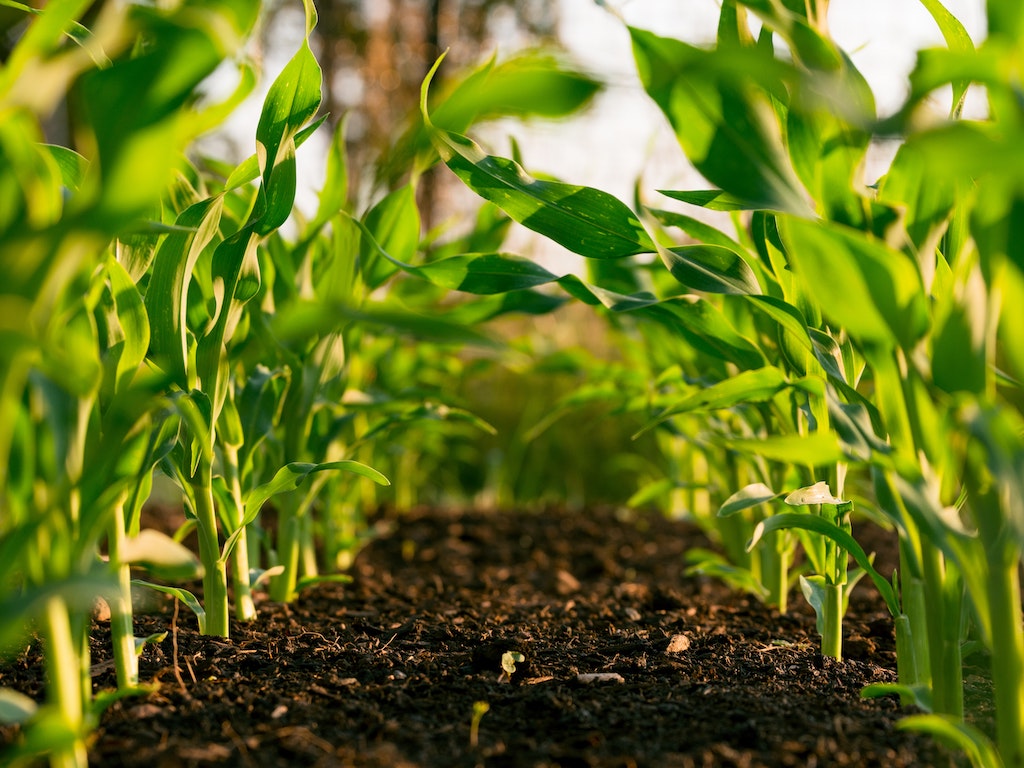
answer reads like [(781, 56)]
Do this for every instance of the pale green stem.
[(906, 662), (215, 580), (943, 622), (773, 564), (245, 608), (122, 630), (912, 600), (832, 635), (1007, 659), (282, 586), (64, 681)]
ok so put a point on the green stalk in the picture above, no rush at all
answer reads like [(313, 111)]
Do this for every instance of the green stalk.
[(215, 580), (245, 608), (773, 564), (64, 681), (289, 535), (1003, 587), (943, 620), (906, 662), (912, 599), (122, 630), (832, 620)]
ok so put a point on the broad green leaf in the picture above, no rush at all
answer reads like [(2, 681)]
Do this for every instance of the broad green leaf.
[(712, 199), (587, 221), (394, 224), (72, 165), (815, 591), (917, 181), (957, 39), (184, 595), (584, 220), (718, 103), (704, 326), (139, 149), (162, 556), (236, 275), (712, 564), (130, 314), (304, 320), (872, 291), (167, 296), (486, 273), (745, 387), (530, 83), (749, 496), (711, 269), (815, 449), (292, 475), (15, 707), (291, 102), (827, 528), (699, 230), (979, 748)]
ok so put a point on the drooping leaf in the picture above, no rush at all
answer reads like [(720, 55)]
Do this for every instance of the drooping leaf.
[(711, 269), (718, 103), (747, 497), (162, 556), (587, 221), (872, 291), (839, 536)]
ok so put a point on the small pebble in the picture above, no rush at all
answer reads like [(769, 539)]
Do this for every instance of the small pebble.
[(678, 644), (600, 677)]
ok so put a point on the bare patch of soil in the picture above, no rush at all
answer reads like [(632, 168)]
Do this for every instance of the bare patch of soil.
[(386, 671)]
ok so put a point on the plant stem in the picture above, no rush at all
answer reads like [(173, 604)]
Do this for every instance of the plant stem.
[(943, 620), (245, 608), (215, 580), (906, 662), (64, 681), (1007, 659), (832, 637), (122, 630), (282, 587)]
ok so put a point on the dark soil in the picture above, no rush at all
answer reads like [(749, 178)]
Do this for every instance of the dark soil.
[(387, 670)]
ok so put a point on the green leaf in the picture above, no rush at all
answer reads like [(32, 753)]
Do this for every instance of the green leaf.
[(184, 595), (167, 296), (749, 496), (587, 221), (873, 292), (843, 538), (486, 273), (162, 556), (745, 387), (957, 39), (719, 104), (711, 269), (712, 199), (394, 226), (292, 475), (292, 100), (815, 591), (130, 314), (953, 731), (815, 449), (16, 708)]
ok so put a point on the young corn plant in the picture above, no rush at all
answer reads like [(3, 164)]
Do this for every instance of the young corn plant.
[(898, 301), (81, 419)]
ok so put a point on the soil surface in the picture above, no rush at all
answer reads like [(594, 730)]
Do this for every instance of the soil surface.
[(390, 669)]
